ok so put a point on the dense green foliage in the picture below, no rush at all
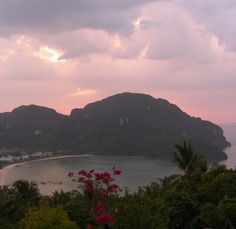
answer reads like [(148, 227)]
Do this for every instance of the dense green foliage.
[(197, 200), (45, 217)]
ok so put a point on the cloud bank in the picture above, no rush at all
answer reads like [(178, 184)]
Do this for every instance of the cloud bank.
[(67, 53)]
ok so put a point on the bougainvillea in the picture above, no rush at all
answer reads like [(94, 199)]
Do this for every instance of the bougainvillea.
[(98, 186)]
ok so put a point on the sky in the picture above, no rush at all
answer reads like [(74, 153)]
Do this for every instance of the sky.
[(65, 54)]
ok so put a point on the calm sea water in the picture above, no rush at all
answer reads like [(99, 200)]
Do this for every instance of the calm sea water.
[(230, 134), (51, 175)]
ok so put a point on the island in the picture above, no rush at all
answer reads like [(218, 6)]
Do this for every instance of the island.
[(131, 124)]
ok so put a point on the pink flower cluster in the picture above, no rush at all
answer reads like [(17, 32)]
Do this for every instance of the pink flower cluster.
[(116, 171), (99, 186), (104, 218), (70, 174)]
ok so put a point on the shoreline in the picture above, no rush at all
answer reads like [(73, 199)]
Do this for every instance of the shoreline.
[(7, 168)]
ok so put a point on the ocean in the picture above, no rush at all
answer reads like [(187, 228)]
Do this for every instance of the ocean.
[(51, 174)]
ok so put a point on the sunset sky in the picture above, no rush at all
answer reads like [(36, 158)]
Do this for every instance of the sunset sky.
[(67, 53)]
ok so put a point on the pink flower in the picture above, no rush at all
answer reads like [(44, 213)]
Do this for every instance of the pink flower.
[(89, 226), (88, 175), (88, 189), (99, 207), (98, 185), (81, 179), (103, 196), (97, 175), (70, 174), (104, 218), (106, 177), (82, 172), (116, 171), (113, 187)]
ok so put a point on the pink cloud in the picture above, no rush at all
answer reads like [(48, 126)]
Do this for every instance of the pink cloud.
[(168, 52)]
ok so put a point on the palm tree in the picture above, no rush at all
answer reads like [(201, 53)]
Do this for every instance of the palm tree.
[(188, 160), (60, 198), (169, 183), (26, 195), (26, 190), (201, 163)]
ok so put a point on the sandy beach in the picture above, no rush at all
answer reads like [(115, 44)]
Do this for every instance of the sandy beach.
[(6, 169)]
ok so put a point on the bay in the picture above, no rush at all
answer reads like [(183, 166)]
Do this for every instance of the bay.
[(51, 174)]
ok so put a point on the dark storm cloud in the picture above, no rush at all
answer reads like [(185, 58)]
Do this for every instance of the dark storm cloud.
[(26, 16)]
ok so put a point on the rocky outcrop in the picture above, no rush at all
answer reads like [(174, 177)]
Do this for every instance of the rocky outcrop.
[(123, 124)]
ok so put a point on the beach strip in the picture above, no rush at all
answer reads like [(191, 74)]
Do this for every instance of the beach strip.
[(6, 169)]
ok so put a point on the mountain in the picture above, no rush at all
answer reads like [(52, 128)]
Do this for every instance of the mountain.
[(30, 127), (123, 124)]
